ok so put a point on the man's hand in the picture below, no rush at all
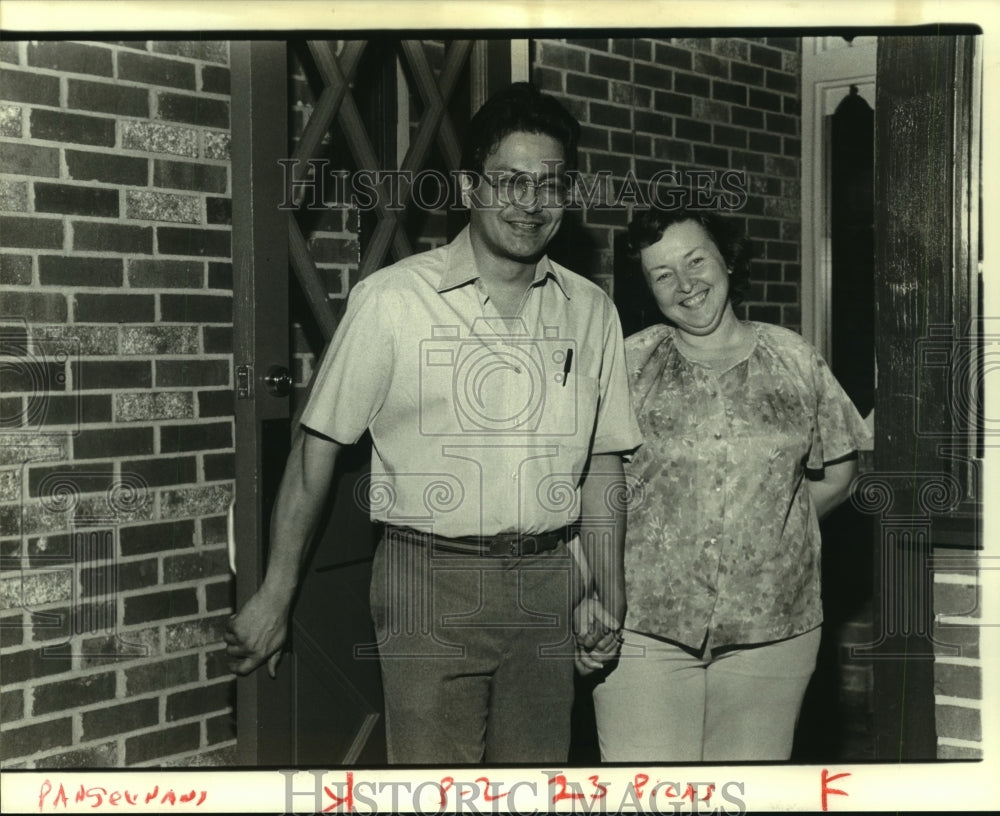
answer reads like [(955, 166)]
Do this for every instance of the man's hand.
[(598, 635), (256, 635)]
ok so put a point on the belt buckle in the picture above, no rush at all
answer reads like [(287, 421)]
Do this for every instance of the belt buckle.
[(504, 544)]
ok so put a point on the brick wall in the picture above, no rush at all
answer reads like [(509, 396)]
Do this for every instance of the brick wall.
[(117, 424), (713, 104), (958, 683)]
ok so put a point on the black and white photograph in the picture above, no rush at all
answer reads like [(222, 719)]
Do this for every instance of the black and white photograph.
[(498, 407)]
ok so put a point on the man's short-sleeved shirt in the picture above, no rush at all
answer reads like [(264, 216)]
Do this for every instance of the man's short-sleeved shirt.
[(478, 425), (722, 536)]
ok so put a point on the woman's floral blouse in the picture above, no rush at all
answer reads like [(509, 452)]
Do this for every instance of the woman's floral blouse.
[(722, 536)]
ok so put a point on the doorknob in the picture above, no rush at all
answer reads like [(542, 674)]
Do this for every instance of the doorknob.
[(278, 381)]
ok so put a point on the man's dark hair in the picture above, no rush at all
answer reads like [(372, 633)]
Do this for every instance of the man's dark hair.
[(647, 227), (521, 107)]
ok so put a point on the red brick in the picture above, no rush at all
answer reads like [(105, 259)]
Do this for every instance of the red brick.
[(158, 273), (163, 742), (219, 210), (192, 241), (215, 79), (120, 719), (79, 270), (155, 70), (11, 706), (200, 701), (220, 729), (30, 739), (764, 100), (189, 176), (610, 67), (71, 57), (29, 160), (91, 375), (219, 596), (587, 86), (34, 664), (156, 538), (778, 81), (215, 403), (127, 576), (196, 308), (79, 691), (112, 308), (113, 442), (57, 126), (76, 199), (104, 237), (562, 56), (958, 681), (9, 52), (98, 756), (32, 233), (163, 470), (669, 102), (11, 630), (207, 50), (113, 169), (15, 270), (94, 477), (107, 97), (691, 84), (218, 340), (31, 87), (74, 409), (195, 633), (193, 110), (673, 56), (747, 74), (191, 373), (214, 530), (769, 58), (220, 275), (191, 566), (176, 671), (196, 437), (958, 722), (156, 606), (35, 307)]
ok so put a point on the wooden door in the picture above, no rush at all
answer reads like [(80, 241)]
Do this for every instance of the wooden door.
[(385, 104)]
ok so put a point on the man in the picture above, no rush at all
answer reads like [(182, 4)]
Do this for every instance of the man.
[(493, 383)]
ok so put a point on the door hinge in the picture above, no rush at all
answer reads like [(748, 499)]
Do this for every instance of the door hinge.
[(244, 382)]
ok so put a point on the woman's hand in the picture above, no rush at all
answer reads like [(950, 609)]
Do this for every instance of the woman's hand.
[(598, 635)]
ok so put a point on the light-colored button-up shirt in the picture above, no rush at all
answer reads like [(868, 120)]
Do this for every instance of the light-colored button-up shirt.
[(479, 425), (722, 536)]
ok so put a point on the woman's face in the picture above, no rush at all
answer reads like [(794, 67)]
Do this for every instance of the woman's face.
[(688, 278)]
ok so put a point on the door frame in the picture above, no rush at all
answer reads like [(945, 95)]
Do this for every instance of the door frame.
[(828, 72)]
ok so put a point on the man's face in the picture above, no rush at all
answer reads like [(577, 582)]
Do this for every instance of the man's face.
[(510, 226)]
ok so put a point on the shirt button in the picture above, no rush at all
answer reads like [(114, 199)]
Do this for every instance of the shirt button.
[(514, 476), (718, 435)]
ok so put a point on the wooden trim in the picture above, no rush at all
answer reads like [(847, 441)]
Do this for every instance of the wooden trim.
[(260, 257)]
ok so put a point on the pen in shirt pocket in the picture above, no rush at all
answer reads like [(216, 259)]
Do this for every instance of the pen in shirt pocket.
[(566, 365)]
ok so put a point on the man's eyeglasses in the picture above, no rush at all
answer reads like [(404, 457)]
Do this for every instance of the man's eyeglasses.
[(523, 190)]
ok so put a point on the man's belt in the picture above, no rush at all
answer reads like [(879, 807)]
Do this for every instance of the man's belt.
[(499, 545)]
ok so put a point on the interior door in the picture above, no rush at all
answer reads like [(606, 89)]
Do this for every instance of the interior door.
[(385, 104)]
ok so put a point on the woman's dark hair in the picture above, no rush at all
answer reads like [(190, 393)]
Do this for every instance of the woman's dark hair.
[(519, 107), (647, 227)]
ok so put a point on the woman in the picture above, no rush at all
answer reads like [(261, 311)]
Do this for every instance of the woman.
[(748, 442)]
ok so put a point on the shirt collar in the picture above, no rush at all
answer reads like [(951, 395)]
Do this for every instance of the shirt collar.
[(461, 267)]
